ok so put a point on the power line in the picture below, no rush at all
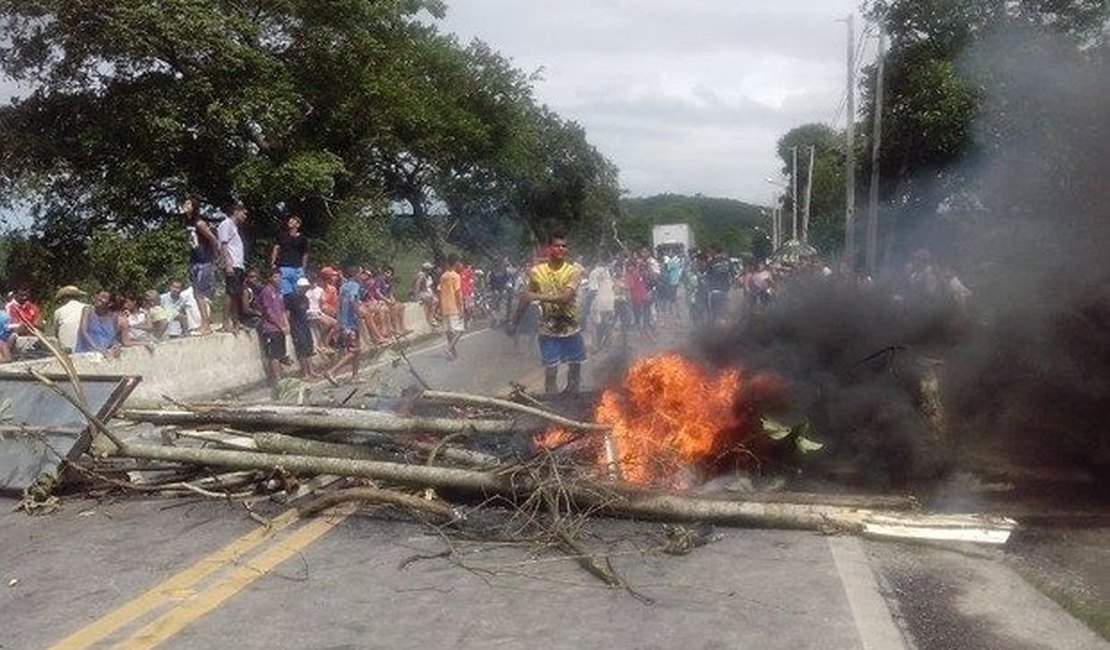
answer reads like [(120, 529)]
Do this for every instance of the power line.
[(860, 45)]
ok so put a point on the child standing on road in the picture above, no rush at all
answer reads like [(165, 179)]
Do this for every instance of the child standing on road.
[(451, 305), (350, 294)]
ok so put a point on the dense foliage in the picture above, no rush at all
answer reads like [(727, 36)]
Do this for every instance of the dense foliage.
[(343, 110), (735, 227), (956, 94)]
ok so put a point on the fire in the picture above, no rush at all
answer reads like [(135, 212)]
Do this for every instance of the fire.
[(673, 419), (554, 438)]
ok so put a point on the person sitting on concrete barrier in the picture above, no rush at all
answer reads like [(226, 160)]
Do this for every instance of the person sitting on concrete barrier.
[(5, 336), (67, 317), (394, 309), (143, 323), (324, 324), (330, 278), (178, 303), (300, 330), (423, 292), (371, 310), (273, 327), (100, 328), (23, 312), (24, 316), (350, 294)]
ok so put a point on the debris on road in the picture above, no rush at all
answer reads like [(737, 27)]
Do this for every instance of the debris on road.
[(519, 470)]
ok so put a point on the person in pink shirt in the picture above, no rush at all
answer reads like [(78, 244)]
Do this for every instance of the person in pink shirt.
[(273, 327)]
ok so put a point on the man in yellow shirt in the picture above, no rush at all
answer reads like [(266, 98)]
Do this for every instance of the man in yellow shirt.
[(450, 304), (554, 284)]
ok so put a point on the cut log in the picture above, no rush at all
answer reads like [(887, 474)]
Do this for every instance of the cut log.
[(231, 441), (320, 419), (879, 501), (602, 498), (277, 443), (482, 400), (378, 495), (414, 475), (456, 455)]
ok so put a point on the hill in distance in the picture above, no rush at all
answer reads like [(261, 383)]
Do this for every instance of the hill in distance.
[(731, 224)]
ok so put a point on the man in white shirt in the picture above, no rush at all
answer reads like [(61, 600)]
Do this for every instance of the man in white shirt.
[(181, 309), (602, 308), (67, 317), (233, 262)]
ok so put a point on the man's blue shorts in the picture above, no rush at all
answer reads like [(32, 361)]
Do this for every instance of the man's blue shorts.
[(202, 277), (562, 349), (289, 277)]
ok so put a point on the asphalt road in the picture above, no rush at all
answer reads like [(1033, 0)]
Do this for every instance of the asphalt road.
[(185, 573)]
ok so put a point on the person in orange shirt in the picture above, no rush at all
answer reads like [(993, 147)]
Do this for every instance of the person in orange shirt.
[(451, 304)]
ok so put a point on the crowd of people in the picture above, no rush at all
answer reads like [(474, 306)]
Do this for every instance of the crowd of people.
[(332, 315), (316, 309)]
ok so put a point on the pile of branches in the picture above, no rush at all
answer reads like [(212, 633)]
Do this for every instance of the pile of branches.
[(473, 457)]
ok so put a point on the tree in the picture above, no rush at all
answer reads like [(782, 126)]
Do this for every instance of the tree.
[(826, 226), (937, 124), (733, 226), (327, 108)]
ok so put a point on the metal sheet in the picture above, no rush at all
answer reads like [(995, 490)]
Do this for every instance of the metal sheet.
[(37, 426)]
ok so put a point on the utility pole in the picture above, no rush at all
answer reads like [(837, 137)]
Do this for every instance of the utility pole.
[(794, 191), (774, 227), (876, 142), (809, 193), (850, 155)]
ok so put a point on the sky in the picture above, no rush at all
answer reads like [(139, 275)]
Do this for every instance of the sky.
[(684, 97)]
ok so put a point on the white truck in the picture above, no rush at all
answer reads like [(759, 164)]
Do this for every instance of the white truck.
[(672, 239)]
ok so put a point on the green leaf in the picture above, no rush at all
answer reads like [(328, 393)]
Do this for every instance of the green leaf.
[(805, 445), (775, 430)]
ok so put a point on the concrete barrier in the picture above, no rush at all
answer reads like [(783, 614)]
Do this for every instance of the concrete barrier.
[(194, 367)]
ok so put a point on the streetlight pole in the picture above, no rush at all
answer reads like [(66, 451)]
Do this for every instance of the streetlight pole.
[(850, 155), (794, 192), (871, 243), (809, 193), (776, 223)]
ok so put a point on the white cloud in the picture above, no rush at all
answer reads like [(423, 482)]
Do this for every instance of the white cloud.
[(683, 97)]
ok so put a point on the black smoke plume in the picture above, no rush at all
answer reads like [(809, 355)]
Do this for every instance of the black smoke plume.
[(1025, 367)]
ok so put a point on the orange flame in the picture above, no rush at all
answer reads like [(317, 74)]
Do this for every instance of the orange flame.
[(673, 417), (554, 438)]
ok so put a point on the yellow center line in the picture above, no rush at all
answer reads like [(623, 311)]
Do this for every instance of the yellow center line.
[(175, 620), (173, 587)]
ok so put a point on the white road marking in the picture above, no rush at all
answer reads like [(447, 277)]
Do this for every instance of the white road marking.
[(876, 627)]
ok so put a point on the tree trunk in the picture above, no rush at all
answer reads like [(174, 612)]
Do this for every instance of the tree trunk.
[(612, 499), (427, 226), (482, 400), (320, 419), (276, 443)]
